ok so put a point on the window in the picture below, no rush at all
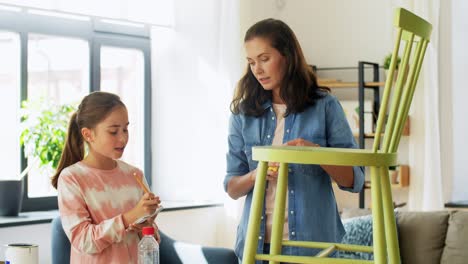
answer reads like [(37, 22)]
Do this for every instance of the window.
[(10, 99), (58, 70), (122, 73), (62, 59)]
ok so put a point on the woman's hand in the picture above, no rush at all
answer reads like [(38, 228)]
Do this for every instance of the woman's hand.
[(272, 172), (273, 167), (301, 142), (343, 175)]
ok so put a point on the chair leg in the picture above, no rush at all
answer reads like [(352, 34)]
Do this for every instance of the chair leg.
[(251, 243), (278, 214), (377, 217), (389, 217)]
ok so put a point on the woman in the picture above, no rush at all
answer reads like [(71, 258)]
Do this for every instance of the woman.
[(278, 102)]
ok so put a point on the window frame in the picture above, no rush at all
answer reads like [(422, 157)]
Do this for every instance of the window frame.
[(97, 33)]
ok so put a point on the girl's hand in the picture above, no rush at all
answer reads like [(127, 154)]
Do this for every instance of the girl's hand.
[(139, 227), (146, 206), (156, 232), (301, 142), (150, 222), (136, 227)]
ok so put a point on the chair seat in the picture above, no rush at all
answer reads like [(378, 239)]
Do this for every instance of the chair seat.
[(324, 156)]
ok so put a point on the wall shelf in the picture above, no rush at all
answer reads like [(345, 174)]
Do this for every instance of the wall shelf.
[(374, 87), (401, 180), (330, 83), (406, 131)]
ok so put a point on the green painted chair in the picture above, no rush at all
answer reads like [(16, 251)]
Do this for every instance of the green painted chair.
[(413, 35)]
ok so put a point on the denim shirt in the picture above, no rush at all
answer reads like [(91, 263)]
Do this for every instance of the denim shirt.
[(313, 213)]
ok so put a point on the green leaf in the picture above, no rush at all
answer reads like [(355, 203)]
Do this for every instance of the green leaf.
[(44, 129)]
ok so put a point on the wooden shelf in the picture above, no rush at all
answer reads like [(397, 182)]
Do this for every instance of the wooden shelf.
[(406, 131), (361, 135), (400, 181), (331, 83)]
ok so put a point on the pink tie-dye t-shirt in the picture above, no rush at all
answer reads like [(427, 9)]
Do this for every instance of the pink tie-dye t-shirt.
[(91, 204)]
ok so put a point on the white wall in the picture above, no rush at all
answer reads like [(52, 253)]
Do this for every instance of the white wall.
[(446, 104), (204, 226), (459, 92), (332, 33), (453, 94)]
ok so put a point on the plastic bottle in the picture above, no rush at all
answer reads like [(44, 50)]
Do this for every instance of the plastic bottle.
[(148, 248)]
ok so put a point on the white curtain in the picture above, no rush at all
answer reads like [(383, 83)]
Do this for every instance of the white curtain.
[(195, 67), (424, 143)]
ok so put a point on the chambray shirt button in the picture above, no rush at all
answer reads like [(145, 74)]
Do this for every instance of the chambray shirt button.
[(271, 109), (261, 217), (272, 118), (289, 170), (260, 237), (268, 136), (292, 212), (293, 233), (287, 130), (292, 191)]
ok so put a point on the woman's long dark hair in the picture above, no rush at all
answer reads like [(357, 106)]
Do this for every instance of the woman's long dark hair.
[(94, 108), (299, 88)]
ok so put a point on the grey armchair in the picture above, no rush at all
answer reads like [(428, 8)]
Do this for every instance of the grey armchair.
[(171, 251)]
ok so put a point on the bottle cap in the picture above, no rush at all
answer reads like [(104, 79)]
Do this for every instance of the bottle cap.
[(148, 230)]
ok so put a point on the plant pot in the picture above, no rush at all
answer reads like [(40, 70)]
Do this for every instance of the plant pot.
[(395, 75), (11, 197)]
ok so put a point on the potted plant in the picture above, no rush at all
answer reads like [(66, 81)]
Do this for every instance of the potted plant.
[(386, 65), (43, 131)]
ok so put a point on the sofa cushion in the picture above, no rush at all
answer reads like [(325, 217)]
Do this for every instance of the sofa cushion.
[(421, 236), (358, 232), (456, 242), (354, 212)]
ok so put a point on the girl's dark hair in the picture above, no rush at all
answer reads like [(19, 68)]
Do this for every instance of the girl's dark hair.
[(94, 108), (299, 87)]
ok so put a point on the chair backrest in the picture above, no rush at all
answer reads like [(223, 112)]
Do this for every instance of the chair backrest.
[(411, 31), (60, 243)]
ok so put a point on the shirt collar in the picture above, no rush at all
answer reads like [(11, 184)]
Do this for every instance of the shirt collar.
[(267, 104)]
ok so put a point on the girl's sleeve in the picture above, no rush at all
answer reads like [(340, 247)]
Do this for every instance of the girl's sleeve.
[(339, 135), (84, 235)]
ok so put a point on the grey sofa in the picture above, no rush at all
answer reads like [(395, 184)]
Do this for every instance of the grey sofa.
[(424, 237), (169, 252)]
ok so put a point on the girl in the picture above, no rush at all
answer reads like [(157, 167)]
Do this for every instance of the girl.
[(98, 196), (278, 102)]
